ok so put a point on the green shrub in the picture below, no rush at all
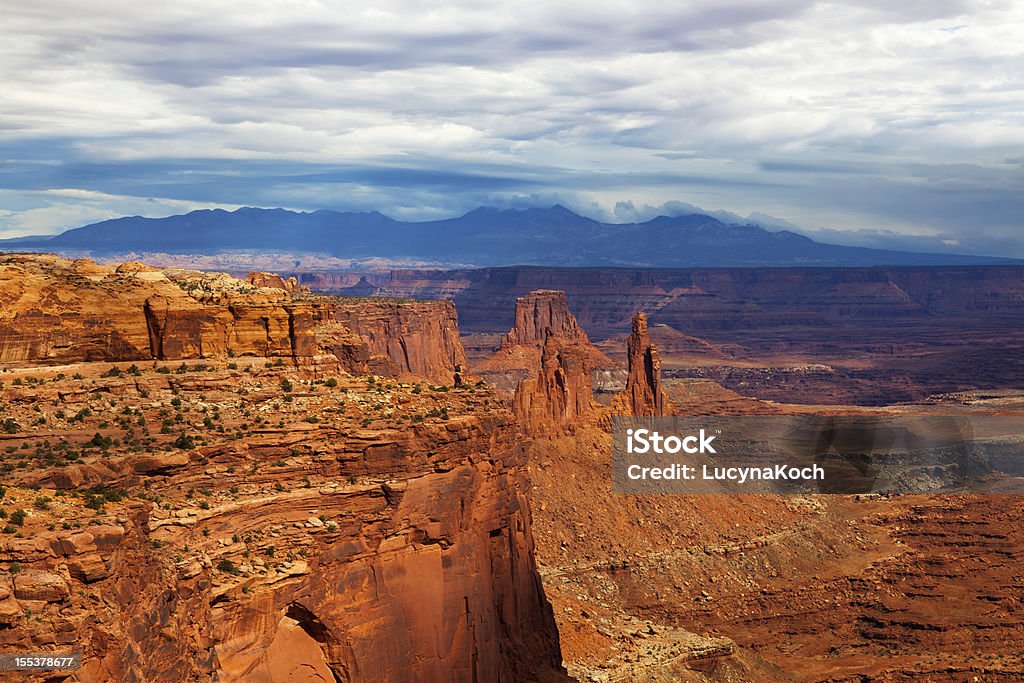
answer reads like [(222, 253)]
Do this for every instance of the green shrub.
[(228, 567), (18, 517)]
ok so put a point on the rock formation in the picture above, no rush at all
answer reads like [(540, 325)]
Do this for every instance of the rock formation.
[(275, 281), (240, 521), (538, 315), (643, 395), (406, 337), (560, 395), (55, 311), (59, 311)]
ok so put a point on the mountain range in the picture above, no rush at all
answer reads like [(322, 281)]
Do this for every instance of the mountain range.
[(486, 236)]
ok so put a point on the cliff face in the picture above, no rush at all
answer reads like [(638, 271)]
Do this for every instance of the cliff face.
[(384, 539), (407, 337), (180, 329), (275, 281), (59, 311), (538, 316), (643, 395), (55, 311), (719, 303), (560, 396), (430, 576)]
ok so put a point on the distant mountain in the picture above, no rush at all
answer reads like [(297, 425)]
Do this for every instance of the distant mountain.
[(482, 237)]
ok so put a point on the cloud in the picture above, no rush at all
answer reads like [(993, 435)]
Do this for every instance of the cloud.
[(856, 114)]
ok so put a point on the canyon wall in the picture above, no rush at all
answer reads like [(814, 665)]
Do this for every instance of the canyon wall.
[(407, 337), (56, 311), (540, 315), (240, 520), (377, 553), (559, 395), (720, 301), (886, 334)]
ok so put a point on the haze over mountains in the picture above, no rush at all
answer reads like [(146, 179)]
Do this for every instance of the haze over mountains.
[(483, 237)]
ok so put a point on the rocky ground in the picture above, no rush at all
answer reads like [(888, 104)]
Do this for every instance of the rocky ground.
[(258, 485), (808, 588), (244, 515)]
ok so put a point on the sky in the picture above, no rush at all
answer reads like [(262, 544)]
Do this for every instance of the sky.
[(871, 122)]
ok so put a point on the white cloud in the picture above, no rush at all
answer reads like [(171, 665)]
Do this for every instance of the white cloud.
[(600, 99)]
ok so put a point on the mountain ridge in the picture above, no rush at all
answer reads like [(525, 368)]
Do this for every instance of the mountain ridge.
[(485, 236)]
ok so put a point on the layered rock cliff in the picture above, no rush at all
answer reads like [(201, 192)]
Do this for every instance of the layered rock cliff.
[(560, 396), (56, 311), (719, 303), (538, 316), (407, 337), (891, 333), (275, 281), (644, 395), (59, 311), (275, 528)]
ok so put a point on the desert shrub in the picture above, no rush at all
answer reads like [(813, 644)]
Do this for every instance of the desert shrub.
[(228, 567)]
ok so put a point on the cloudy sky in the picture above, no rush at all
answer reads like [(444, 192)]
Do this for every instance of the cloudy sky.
[(895, 124)]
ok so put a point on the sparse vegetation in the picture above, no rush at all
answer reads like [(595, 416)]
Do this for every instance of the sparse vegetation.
[(228, 567)]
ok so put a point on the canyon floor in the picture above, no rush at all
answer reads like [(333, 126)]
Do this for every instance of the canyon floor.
[(803, 588)]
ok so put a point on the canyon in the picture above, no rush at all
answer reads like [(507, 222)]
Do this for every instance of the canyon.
[(868, 336), (205, 475), (242, 501)]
